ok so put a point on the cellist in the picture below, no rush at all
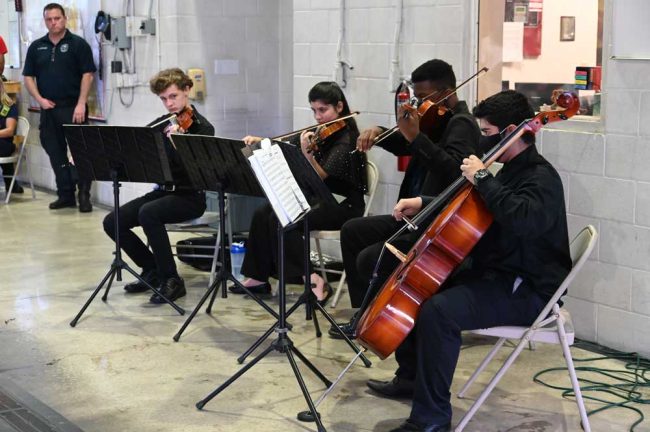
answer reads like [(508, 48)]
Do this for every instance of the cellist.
[(507, 279)]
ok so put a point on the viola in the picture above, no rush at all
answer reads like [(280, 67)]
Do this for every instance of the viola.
[(322, 133), (445, 244)]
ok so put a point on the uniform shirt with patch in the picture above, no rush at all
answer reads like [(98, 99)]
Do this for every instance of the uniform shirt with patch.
[(58, 69)]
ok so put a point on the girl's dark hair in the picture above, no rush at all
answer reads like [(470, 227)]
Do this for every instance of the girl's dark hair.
[(506, 108), (330, 93)]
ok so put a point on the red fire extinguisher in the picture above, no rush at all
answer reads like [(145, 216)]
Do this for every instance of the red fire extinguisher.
[(402, 96)]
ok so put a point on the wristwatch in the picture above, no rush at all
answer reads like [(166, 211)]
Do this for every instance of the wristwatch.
[(481, 175)]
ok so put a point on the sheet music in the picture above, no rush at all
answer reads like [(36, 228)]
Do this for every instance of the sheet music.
[(278, 183)]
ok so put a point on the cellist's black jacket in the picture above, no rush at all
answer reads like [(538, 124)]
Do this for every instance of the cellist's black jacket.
[(529, 236), (435, 165)]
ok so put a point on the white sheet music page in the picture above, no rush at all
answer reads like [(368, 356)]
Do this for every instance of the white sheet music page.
[(278, 183)]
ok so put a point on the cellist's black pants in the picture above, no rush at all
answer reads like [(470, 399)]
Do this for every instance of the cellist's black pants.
[(430, 352)]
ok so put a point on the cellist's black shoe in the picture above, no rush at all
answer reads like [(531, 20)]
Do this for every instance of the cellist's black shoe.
[(397, 388), (346, 328), (411, 426)]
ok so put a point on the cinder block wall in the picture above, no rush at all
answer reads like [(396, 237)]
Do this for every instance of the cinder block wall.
[(603, 165), (256, 99)]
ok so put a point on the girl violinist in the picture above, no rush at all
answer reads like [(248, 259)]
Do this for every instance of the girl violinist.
[(344, 174)]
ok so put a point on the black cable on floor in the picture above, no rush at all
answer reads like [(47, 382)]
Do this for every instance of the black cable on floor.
[(620, 388)]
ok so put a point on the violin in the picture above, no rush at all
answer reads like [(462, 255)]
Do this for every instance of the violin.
[(443, 246), (322, 133), (296, 132), (433, 114), (185, 118)]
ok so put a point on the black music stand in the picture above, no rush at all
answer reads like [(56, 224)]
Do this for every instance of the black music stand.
[(218, 164), (119, 153), (315, 191)]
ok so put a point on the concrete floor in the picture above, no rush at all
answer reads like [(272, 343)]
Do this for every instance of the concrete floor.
[(120, 370)]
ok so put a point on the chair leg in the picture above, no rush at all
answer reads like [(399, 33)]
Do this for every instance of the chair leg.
[(488, 358), (31, 181), (321, 266), (10, 189), (572, 374), (339, 289), (493, 382)]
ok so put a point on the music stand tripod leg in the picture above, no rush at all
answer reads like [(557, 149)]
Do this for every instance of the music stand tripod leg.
[(282, 344), (118, 263)]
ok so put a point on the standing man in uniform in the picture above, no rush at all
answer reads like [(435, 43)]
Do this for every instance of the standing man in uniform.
[(58, 72)]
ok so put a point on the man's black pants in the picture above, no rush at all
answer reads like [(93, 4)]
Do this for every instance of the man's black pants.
[(54, 144)]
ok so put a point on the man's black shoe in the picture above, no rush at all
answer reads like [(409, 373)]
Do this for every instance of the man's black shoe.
[(172, 288), (411, 426), (63, 203), (85, 205), (397, 388), (347, 328), (150, 276), (261, 289)]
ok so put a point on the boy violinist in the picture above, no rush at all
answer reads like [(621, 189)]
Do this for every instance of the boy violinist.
[(159, 207)]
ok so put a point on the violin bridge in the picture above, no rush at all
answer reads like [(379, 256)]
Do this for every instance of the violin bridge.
[(398, 254)]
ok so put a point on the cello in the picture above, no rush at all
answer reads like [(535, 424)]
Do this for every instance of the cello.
[(443, 246)]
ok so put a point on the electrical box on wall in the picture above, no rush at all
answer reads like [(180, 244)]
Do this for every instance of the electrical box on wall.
[(197, 91), (135, 25), (121, 40)]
